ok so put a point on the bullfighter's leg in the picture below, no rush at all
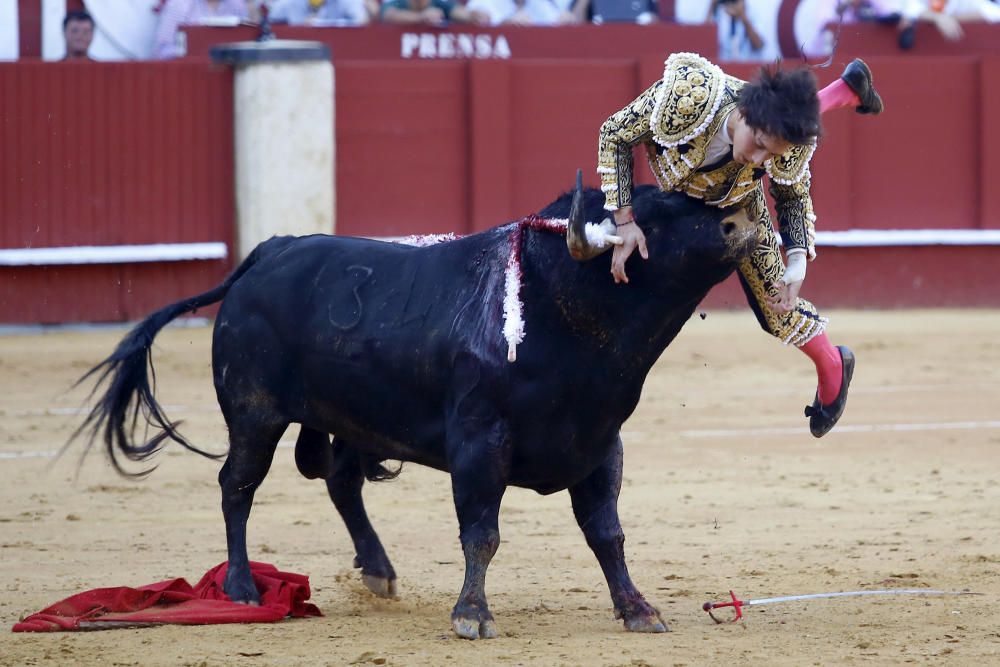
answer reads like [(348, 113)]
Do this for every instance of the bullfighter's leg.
[(344, 485), (803, 327), (595, 504), (854, 88), (251, 448)]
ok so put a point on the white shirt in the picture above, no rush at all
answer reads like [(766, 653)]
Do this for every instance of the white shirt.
[(541, 12), (720, 145), (296, 12)]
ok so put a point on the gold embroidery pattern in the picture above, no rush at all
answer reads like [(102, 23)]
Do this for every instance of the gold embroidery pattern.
[(688, 100), (762, 271), (795, 214), (677, 170), (792, 166), (619, 134)]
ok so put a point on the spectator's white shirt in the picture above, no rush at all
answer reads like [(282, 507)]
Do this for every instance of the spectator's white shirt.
[(763, 14), (733, 41), (542, 12), (296, 12), (176, 13), (960, 9)]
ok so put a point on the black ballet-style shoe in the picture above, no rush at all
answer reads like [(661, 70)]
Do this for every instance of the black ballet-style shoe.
[(822, 418), (858, 78)]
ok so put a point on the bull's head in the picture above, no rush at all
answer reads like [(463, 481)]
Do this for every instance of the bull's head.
[(738, 231)]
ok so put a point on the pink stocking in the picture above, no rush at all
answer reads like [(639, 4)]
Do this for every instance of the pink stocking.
[(838, 94)]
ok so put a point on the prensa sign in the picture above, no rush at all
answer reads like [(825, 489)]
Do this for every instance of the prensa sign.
[(453, 45)]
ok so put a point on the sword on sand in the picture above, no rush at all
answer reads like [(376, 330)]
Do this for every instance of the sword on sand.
[(738, 604)]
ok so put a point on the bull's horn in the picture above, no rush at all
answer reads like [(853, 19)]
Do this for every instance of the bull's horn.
[(576, 237)]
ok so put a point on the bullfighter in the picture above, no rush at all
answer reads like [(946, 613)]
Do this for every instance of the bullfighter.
[(715, 137)]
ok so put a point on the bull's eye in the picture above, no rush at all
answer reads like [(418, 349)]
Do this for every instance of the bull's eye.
[(728, 228)]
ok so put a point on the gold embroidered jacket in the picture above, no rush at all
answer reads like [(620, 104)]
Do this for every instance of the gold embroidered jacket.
[(676, 119)]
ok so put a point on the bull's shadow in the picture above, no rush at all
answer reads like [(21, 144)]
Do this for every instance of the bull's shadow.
[(399, 352)]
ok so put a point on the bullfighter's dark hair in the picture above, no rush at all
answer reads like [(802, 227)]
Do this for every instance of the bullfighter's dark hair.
[(782, 104), (77, 15)]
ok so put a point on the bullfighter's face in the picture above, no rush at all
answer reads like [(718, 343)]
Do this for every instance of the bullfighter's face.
[(752, 146)]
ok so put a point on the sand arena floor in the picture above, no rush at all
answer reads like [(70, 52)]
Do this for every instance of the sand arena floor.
[(724, 488)]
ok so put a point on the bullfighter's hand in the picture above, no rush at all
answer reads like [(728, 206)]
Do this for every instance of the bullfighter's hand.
[(788, 294), (787, 289), (632, 238)]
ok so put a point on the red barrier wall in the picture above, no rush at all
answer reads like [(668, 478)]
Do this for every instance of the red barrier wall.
[(487, 141), (106, 154), (112, 154), (989, 142)]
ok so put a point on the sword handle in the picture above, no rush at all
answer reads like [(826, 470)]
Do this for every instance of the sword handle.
[(736, 604)]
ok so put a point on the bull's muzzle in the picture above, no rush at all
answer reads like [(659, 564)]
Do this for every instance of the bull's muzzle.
[(739, 233)]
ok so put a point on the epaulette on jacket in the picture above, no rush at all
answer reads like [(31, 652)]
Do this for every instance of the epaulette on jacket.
[(792, 166), (692, 91)]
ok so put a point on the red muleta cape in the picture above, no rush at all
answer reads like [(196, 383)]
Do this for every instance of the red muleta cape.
[(175, 601)]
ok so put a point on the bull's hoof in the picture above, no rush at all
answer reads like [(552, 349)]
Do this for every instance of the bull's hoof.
[(380, 586), (646, 623), (242, 595), (639, 615), (473, 621), (241, 589), (473, 628)]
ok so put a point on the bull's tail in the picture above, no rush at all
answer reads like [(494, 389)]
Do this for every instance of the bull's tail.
[(127, 374)]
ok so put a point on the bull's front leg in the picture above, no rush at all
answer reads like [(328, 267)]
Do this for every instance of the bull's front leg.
[(595, 504), (479, 468)]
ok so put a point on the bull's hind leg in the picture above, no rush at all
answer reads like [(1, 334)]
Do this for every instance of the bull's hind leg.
[(251, 450), (595, 504), (344, 485)]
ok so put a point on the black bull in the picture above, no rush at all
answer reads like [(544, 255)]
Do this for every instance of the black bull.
[(398, 351)]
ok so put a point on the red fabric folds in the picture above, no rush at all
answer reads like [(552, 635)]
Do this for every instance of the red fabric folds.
[(175, 601)]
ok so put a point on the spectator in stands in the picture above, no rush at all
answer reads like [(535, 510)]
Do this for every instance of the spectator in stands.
[(522, 12), (715, 138), (739, 38), (320, 12), (946, 15), (431, 12), (175, 13), (642, 12), (78, 31), (580, 9), (825, 16)]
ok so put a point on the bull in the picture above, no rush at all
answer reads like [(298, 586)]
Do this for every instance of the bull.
[(397, 351)]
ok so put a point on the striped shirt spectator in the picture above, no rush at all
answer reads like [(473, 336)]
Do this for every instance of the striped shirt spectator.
[(175, 13)]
